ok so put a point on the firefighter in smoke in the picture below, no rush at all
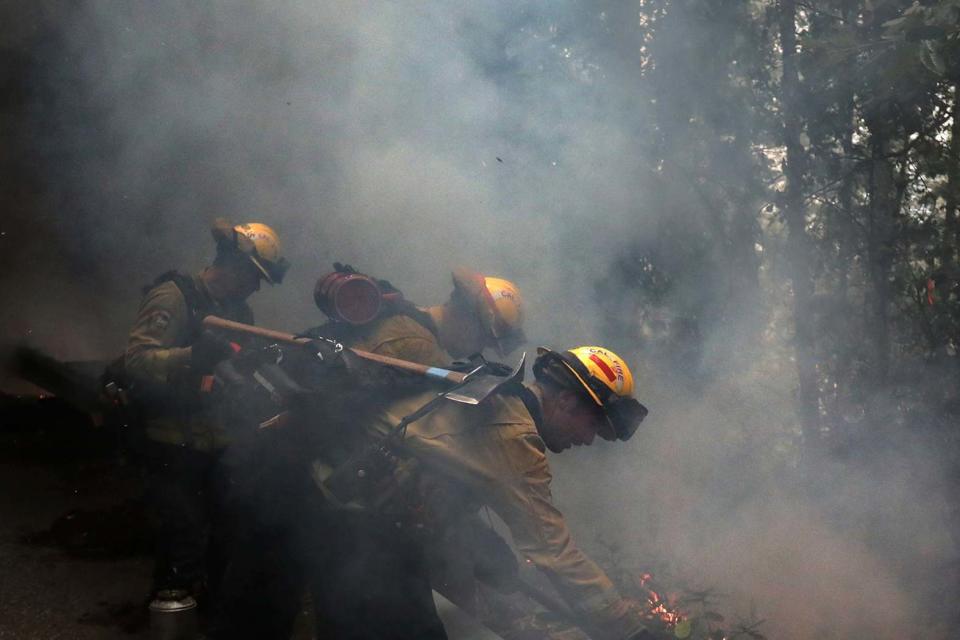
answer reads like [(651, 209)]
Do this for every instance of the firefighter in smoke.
[(482, 312), (367, 567), (167, 356)]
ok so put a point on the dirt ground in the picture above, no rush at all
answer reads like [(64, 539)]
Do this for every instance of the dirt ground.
[(74, 552), (62, 488)]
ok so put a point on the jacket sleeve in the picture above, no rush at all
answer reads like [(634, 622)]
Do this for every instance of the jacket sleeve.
[(155, 352), (523, 499)]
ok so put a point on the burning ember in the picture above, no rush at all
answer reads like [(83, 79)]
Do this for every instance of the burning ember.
[(661, 609)]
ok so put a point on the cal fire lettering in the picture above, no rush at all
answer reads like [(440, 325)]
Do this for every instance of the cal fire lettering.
[(606, 369)]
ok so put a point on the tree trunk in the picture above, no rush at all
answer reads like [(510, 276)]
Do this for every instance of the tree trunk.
[(884, 199), (846, 235), (883, 207), (951, 230), (798, 242)]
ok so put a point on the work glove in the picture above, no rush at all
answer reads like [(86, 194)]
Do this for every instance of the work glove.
[(327, 351), (208, 350)]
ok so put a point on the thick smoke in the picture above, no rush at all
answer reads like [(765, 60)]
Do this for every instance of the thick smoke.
[(407, 138), (402, 138)]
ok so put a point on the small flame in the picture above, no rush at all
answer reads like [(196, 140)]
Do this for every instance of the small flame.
[(659, 608)]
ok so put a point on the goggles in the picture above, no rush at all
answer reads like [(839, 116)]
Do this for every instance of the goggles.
[(272, 272)]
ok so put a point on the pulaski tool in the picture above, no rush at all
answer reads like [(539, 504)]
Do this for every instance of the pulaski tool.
[(470, 387)]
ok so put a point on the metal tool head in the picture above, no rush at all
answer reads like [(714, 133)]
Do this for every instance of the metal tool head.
[(478, 385)]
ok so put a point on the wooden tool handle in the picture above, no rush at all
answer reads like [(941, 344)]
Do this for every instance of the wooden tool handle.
[(215, 322)]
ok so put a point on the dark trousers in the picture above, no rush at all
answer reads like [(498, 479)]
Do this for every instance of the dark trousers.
[(369, 579), (260, 594), (262, 585), (184, 490)]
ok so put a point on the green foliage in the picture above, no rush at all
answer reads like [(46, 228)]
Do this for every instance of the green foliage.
[(879, 173), (710, 285), (932, 31)]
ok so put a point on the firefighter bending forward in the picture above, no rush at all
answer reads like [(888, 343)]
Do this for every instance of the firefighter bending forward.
[(481, 312), (167, 355), (493, 454)]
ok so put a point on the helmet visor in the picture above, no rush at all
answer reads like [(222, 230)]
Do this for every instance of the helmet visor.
[(624, 415)]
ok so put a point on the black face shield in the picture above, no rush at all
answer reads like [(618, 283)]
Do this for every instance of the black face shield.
[(624, 414)]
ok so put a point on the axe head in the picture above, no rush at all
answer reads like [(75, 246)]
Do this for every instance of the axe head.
[(479, 385)]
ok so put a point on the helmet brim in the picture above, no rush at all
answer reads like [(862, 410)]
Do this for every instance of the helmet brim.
[(472, 285), (542, 351), (469, 282), (262, 269)]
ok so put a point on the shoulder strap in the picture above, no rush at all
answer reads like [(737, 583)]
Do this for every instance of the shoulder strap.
[(528, 398), (196, 306)]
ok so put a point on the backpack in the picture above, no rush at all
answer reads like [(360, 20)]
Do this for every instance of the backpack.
[(354, 301)]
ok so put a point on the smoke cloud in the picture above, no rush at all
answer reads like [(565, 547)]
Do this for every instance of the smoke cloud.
[(407, 138)]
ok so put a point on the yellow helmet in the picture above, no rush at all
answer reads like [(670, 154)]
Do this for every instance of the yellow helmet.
[(499, 305), (604, 376), (258, 242)]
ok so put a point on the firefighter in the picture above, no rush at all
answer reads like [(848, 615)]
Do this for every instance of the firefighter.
[(368, 568), (482, 312), (167, 356)]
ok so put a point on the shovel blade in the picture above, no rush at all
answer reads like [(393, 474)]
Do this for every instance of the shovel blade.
[(480, 385)]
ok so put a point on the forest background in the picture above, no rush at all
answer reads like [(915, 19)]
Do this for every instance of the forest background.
[(758, 201)]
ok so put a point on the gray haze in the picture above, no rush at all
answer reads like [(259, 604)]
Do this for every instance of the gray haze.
[(364, 132), (410, 137)]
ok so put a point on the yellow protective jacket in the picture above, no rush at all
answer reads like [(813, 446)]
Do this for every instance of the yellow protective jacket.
[(400, 336), (157, 363), (493, 453)]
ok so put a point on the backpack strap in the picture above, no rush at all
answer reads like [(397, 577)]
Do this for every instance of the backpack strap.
[(528, 398), (197, 305)]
